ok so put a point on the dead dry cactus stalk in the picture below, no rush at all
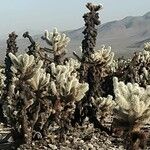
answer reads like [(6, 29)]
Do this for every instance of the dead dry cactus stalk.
[(11, 48), (91, 20)]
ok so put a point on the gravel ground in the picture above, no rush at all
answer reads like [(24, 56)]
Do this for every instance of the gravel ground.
[(78, 138)]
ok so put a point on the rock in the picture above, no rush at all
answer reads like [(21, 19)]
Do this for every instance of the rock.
[(53, 147)]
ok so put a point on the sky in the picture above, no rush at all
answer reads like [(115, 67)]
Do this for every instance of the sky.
[(38, 15)]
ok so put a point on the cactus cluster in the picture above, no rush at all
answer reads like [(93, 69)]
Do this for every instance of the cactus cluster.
[(61, 85), (43, 96)]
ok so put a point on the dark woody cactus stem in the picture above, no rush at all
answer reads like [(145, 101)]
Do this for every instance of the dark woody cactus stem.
[(11, 47), (11, 43), (33, 44), (90, 33), (91, 21), (88, 70)]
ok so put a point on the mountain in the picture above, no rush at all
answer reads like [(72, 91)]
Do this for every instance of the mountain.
[(124, 36)]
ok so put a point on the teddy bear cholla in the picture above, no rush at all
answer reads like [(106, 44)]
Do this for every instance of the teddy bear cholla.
[(66, 83), (28, 98), (103, 56), (57, 42), (105, 107), (132, 111)]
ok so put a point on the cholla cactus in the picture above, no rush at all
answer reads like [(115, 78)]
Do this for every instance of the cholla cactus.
[(58, 43), (11, 48), (104, 56), (25, 65), (133, 103), (138, 63), (146, 74), (11, 43), (147, 46), (2, 79), (144, 56), (39, 80), (73, 63), (95, 65), (132, 70), (133, 107), (119, 65), (27, 99), (90, 32), (32, 48), (65, 90), (105, 106), (66, 82)]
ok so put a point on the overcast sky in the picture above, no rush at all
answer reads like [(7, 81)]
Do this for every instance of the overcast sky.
[(38, 15)]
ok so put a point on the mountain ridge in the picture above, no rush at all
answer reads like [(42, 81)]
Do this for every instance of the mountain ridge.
[(125, 36)]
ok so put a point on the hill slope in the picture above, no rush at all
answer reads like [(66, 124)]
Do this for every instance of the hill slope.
[(124, 36)]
